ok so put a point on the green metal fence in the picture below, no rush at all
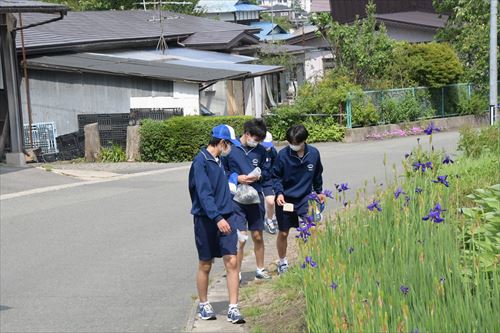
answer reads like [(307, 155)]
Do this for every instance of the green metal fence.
[(408, 104)]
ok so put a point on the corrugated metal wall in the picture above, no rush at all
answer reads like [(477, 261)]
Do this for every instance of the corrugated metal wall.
[(61, 96)]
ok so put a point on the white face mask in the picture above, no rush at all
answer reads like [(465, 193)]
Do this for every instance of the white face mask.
[(226, 152), (296, 147), (252, 143)]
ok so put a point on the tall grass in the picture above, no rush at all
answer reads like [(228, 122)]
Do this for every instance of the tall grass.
[(371, 257)]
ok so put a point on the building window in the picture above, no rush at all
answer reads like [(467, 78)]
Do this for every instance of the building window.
[(328, 63)]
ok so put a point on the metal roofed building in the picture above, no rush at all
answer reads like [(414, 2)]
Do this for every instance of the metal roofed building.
[(270, 31), (97, 30), (11, 121), (412, 21), (239, 11), (114, 66), (118, 81)]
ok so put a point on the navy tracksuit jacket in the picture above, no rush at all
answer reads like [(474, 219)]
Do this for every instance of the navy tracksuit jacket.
[(209, 188), (296, 177)]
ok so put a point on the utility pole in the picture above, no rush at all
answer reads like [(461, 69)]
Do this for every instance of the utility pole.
[(493, 62)]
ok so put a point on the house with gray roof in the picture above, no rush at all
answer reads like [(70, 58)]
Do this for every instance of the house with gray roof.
[(237, 11), (112, 62)]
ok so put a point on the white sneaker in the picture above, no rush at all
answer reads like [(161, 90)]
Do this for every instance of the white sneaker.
[(262, 274), (269, 226)]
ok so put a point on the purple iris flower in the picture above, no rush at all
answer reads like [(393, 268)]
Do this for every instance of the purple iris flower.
[(435, 214), (304, 227), (407, 200), (447, 160), (334, 286), (398, 192), (404, 289), (416, 166), (431, 128), (442, 180), (421, 166), (313, 196), (311, 262), (328, 193), (418, 190), (342, 187), (415, 331), (350, 249), (375, 204)]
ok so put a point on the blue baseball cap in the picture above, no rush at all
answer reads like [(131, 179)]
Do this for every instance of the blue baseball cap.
[(225, 132), (268, 141)]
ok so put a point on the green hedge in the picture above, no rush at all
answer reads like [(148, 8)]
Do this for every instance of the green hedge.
[(179, 139)]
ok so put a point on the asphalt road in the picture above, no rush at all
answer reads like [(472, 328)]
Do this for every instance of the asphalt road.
[(119, 256)]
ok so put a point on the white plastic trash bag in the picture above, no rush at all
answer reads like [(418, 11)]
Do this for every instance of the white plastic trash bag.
[(246, 194)]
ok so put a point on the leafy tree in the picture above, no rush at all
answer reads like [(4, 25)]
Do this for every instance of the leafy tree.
[(467, 30), (363, 48), (432, 64)]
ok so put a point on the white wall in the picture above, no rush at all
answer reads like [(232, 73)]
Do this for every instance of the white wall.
[(186, 96), (214, 98), (314, 65)]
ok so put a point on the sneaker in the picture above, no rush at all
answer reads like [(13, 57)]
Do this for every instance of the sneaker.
[(269, 226), (282, 268), (262, 274), (275, 222), (234, 316), (206, 312)]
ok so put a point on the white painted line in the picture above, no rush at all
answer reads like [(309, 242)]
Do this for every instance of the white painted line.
[(88, 182)]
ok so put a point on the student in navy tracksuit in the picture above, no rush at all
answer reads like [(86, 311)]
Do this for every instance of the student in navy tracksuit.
[(241, 161), (297, 172), (214, 224), (270, 223)]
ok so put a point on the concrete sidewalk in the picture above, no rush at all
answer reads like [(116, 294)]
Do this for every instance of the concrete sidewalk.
[(217, 292)]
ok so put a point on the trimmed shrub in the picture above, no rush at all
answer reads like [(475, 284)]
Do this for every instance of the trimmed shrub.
[(179, 139), (433, 64)]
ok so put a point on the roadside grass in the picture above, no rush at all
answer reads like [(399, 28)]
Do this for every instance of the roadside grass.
[(390, 270)]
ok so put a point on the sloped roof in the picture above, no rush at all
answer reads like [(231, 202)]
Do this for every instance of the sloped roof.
[(106, 64), (431, 20), (267, 31), (227, 6), (165, 69), (213, 40), (103, 28)]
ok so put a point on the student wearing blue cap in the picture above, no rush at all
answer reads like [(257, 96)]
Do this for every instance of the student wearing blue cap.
[(297, 172), (240, 163), (214, 224), (270, 223)]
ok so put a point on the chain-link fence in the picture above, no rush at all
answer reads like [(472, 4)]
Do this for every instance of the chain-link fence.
[(377, 107)]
